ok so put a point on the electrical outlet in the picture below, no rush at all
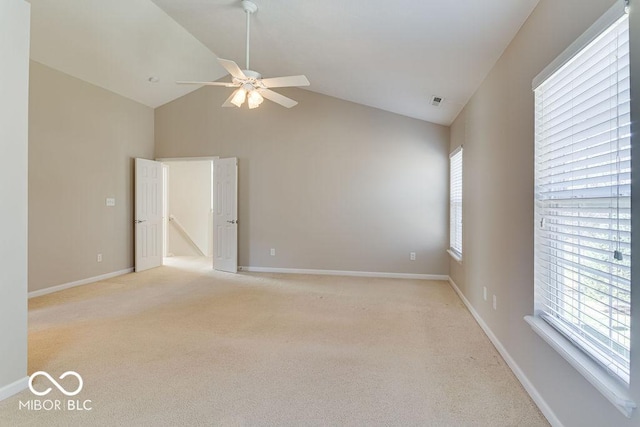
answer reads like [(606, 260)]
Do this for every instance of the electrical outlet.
[(110, 201), (412, 256), (99, 257), (273, 252), (484, 293), (495, 303)]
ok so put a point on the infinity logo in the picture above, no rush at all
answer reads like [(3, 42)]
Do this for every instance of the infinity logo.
[(55, 383)]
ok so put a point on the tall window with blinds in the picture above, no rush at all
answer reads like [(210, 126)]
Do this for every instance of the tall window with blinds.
[(455, 203), (583, 200)]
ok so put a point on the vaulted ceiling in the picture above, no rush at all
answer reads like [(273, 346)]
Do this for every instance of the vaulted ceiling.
[(392, 55)]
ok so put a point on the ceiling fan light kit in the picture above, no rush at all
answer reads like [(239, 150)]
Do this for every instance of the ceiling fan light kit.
[(255, 99), (238, 97), (251, 87)]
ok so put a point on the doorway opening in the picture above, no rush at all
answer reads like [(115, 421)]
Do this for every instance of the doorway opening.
[(188, 208)]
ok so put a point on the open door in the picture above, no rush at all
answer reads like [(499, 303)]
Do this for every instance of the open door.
[(149, 230), (225, 218)]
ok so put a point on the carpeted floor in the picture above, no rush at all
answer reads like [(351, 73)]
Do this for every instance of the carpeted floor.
[(184, 345)]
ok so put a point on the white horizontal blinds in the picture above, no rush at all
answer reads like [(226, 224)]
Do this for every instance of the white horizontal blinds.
[(583, 194), (455, 203)]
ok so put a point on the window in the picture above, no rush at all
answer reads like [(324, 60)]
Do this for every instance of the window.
[(582, 199), (455, 204)]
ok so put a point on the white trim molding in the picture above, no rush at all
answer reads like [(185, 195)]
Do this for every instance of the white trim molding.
[(186, 159), (13, 388), (615, 392), (57, 288), (344, 273), (457, 258), (524, 380)]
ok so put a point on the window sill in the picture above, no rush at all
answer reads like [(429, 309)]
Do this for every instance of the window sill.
[(615, 392), (455, 256)]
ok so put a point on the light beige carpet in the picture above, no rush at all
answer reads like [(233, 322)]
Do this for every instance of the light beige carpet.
[(183, 345)]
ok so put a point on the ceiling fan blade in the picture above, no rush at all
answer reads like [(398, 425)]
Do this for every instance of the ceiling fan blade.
[(286, 81), (228, 103), (232, 68), (277, 98), (208, 83)]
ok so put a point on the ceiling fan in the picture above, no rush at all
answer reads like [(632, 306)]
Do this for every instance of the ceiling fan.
[(251, 86)]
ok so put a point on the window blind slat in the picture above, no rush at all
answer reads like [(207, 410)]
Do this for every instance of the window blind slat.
[(592, 192), (580, 83), (622, 297), (586, 128), (601, 88), (598, 145), (578, 250), (609, 179), (586, 165), (571, 220)]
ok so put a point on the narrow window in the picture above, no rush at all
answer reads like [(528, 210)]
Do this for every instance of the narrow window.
[(455, 203), (582, 200)]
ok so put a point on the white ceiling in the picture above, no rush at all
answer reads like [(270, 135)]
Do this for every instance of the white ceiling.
[(392, 55), (118, 45)]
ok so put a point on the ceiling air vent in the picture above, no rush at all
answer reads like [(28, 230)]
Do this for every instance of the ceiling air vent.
[(436, 100)]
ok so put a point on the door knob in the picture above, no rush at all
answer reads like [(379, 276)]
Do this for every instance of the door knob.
[(138, 221), (233, 221)]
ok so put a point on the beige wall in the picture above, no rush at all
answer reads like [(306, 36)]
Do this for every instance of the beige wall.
[(14, 89), (329, 184), (496, 128), (82, 141)]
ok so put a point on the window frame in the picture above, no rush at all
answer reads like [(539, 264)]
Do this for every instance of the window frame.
[(614, 390)]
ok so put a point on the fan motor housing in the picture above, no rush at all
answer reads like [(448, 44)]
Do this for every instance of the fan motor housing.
[(252, 74), (253, 78)]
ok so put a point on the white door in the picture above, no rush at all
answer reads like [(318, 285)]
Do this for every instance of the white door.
[(225, 217), (148, 215)]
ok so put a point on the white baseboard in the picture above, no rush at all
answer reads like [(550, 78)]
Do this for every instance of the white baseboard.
[(345, 273), (13, 388), (528, 386), (57, 288)]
